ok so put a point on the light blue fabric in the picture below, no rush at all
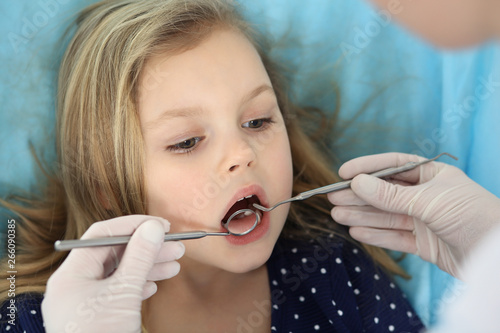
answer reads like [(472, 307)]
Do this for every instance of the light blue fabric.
[(29, 56), (407, 96)]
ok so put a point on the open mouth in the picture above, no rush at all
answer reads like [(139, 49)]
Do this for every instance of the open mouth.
[(243, 221)]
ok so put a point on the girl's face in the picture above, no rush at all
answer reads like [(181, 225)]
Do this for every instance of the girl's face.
[(214, 134)]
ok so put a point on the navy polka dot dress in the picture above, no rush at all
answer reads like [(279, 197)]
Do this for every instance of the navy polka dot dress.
[(28, 317), (330, 285)]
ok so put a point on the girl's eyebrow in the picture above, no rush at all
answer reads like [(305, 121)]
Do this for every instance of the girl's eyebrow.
[(256, 92), (191, 112)]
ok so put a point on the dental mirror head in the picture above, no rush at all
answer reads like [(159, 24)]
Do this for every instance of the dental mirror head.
[(236, 229)]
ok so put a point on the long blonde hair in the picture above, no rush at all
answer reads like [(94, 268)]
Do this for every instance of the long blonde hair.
[(99, 139)]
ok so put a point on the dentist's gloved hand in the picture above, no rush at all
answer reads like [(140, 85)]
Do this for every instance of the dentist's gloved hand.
[(434, 211), (87, 294)]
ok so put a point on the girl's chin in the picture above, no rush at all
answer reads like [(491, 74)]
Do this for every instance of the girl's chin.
[(235, 261), (240, 268), (219, 253), (246, 262), (248, 258)]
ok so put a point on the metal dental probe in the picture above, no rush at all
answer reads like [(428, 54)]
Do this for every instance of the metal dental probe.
[(347, 183)]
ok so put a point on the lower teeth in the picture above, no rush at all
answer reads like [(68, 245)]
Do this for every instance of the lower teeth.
[(242, 215), (247, 213)]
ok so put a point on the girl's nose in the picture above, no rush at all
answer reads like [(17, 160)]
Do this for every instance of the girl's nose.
[(240, 155)]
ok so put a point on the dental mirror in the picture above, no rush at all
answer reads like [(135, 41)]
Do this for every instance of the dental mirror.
[(237, 230), (232, 229)]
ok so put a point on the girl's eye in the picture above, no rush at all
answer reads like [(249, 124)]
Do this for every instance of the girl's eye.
[(185, 146), (258, 123)]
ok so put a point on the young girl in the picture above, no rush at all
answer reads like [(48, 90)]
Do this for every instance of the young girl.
[(172, 109)]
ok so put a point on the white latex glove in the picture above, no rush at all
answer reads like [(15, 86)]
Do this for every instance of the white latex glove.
[(434, 211), (87, 294), (473, 306)]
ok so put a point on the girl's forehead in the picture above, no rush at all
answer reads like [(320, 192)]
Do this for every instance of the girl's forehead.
[(225, 65)]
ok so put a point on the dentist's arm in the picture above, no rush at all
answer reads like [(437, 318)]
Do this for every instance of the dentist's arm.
[(474, 304)]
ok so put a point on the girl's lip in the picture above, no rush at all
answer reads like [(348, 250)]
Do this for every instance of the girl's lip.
[(253, 189)]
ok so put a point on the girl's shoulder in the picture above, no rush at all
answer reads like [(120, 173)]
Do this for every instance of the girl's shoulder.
[(22, 314), (341, 287)]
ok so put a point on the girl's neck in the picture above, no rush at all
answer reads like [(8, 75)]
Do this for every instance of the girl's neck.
[(202, 295)]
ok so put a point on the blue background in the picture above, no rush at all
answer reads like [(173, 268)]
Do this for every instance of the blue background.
[(397, 93)]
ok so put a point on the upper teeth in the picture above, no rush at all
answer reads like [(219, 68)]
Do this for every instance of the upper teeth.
[(247, 197)]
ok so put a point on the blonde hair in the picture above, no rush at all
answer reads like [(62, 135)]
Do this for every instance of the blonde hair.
[(99, 139)]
